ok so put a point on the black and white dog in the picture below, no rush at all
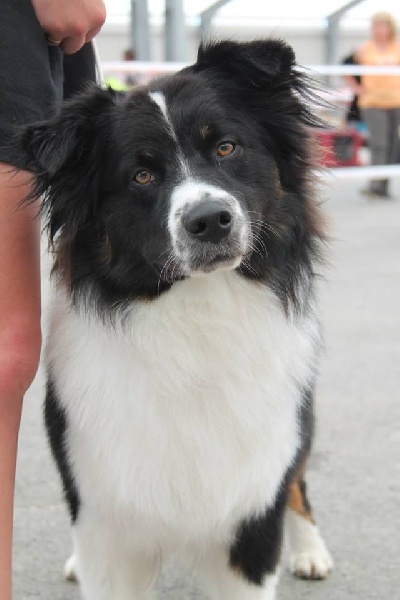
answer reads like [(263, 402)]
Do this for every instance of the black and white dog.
[(184, 336)]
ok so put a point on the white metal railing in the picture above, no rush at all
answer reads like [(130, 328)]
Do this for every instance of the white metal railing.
[(370, 172), (353, 70), (171, 67)]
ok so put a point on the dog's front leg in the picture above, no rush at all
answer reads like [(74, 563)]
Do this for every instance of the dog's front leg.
[(221, 582), (249, 570), (309, 556), (105, 568)]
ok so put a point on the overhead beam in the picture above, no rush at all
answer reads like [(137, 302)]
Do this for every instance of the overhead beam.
[(344, 9)]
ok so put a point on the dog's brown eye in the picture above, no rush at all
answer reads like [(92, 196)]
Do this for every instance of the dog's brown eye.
[(226, 148), (143, 177)]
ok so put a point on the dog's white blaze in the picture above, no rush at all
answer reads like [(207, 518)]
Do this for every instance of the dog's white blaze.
[(161, 102), (159, 99), (182, 421)]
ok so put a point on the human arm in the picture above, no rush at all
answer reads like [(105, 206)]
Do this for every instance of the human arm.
[(354, 82), (356, 87), (73, 22)]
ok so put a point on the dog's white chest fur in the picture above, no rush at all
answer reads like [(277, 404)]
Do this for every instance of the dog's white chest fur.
[(183, 420)]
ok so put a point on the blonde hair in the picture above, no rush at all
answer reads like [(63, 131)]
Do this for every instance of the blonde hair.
[(385, 17)]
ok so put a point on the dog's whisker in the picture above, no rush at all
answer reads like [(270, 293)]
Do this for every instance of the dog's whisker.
[(265, 227), (258, 246), (254, 249), (259, 223), (260, 243), (174, 268), (248, 266), (164, 270)]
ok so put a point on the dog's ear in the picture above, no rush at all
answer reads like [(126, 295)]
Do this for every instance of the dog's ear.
[(64, 154), (47, 147), (259, 63)]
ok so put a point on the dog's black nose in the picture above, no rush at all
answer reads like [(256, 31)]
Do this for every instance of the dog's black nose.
[(208, 221)]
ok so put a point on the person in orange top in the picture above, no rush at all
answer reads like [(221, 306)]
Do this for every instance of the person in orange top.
[(379, 97)]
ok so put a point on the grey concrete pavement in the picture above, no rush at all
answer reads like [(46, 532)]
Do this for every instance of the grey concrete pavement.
[(354, 475)]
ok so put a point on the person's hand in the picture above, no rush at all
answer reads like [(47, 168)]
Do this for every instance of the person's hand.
[(70, 23)]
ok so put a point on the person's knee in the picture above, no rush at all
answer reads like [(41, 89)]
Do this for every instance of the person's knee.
[(20, 343)]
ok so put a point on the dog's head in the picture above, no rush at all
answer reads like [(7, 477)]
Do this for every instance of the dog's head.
[(206, 169)]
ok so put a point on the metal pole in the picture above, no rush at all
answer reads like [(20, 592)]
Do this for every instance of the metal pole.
[(205, 27), (140, 29), (175, 31), (332, 38)]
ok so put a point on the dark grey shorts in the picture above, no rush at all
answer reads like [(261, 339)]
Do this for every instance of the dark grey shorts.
[(33, 76), (31, 72)]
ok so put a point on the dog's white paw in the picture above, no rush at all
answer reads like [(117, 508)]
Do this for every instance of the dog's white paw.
[(70, 569), (314, 563), (309, 556)]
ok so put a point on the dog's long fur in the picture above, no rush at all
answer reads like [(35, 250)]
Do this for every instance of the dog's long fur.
[(183, 349)]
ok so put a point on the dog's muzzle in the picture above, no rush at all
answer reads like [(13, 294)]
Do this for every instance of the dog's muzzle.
[(208, 229)]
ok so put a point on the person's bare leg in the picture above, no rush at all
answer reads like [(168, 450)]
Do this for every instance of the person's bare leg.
[(20, 339)]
